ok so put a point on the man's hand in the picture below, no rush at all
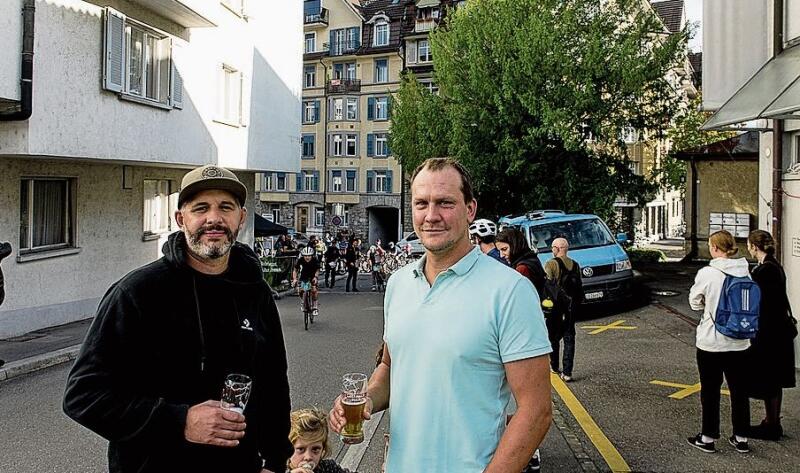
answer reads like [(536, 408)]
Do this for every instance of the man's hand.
[(210, 424), (336, 418)]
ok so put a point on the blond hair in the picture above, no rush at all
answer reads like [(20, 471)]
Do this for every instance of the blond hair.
[(310, 425), (724, 242)]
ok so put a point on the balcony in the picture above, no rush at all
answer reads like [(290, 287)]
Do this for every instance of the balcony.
[(423, 26), (342, 86), (311, 21), (342, 48)]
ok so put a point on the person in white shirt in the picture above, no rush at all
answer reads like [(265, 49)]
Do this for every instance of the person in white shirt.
[(717, 354)]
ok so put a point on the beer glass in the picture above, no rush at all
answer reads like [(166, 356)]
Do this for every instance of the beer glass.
[(236, 392), (354, 398)]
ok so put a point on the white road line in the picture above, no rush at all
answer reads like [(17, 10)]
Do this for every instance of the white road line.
[(354, 454)]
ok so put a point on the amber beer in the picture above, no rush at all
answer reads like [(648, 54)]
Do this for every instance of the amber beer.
[(354, 398)]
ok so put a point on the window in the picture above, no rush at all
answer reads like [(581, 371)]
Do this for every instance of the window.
[(381, 145), (350, 148), (344, 40), (156, 206), (352, 108), (236, 6), (430, 86), (338, 109), (629, 135), (280, 181), (308, 146), (319, 217), (338, 146), (46, 217), (424, 49), (344, 70), (336, 181), (266, 181), (310, 76), (380, 181), (308, 180), (381, 33), (275, 210), (230, 97), (350, 182), (311, 111), (381, 70), (411, 52), (346, 216), (311, 42), (381, 108)]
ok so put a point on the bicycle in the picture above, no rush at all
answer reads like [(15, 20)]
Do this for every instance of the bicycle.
[(307, 303)]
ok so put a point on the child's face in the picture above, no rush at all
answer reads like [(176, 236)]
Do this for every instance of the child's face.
[(306, 452)]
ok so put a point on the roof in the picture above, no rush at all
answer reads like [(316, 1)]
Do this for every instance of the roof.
[(744, 146), (547, 218), (392, 8), (670, 12)]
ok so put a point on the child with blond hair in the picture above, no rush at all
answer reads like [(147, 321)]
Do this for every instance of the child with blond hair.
[(309, 436)]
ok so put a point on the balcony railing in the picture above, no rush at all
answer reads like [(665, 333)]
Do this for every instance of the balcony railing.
[(342, 86), (317, 18), (342, 48), (422, 26)]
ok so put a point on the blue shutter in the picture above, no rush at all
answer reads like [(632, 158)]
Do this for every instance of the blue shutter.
[(388, 150), (371, 108), (316, 181), (370, 181), (371, 144), (388, 182), (299, 187), (316, 111), (330, 43)]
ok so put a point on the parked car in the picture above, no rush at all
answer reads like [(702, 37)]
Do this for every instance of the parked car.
[(416, 245), (605, 268)]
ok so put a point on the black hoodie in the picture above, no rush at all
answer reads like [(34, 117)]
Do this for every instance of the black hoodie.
[(164, 338), (534, 265)]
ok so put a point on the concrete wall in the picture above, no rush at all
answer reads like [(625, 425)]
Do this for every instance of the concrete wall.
[(108, 232), (74, 117), (11, 39)]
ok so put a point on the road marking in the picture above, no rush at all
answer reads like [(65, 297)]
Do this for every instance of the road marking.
[(685, 390), (612, 326), (598, 438)]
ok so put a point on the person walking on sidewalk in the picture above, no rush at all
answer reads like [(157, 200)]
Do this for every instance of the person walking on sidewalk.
[(462, 334), (772, 350), (331, 257), (566, 288), (717, 354), (351, 258), (151, 370)]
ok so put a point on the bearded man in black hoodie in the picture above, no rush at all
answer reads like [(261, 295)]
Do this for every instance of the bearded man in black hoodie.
[(150, 373)]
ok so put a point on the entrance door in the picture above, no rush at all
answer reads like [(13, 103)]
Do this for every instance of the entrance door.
[(302, 219)]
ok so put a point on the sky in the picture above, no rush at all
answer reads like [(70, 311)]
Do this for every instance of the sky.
[(694, 13)]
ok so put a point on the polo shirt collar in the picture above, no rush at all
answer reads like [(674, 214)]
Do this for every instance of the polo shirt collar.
[(461, 267)]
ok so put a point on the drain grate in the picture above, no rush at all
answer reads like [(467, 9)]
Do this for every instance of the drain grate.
[(666, 293)]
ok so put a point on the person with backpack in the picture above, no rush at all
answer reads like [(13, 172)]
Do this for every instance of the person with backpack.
[(727, 296), (772, 350), (565, 288)]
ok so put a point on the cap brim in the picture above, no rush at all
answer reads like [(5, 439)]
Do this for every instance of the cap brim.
[(236, 188)]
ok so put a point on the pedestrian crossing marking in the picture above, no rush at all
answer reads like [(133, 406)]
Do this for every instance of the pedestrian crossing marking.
[(684, 390), (612, 326)]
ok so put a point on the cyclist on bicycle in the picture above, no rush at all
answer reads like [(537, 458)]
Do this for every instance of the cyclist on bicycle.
[(482, 232), (308, 268)]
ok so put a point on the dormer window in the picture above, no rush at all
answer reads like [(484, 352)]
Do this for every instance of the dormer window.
[(381, 33)]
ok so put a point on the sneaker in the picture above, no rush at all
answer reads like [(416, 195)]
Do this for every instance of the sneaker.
[(316, 312), (741, 447), (555, 371), (764, 431), (535, 463), (566, 378), (697, 442)]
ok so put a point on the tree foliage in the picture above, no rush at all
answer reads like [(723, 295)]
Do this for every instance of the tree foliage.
[(533, 96)]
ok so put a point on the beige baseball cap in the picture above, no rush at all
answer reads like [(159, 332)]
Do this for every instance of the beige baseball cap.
[(211, 177)]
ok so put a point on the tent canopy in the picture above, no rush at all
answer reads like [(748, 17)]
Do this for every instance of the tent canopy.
[(264, 227)]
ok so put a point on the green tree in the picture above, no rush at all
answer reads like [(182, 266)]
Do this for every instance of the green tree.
[(533, 96), (685, 133)]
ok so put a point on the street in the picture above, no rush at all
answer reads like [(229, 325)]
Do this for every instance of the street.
[(634, 400)]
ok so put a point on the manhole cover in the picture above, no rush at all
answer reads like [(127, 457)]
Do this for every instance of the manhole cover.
[(666, 293)]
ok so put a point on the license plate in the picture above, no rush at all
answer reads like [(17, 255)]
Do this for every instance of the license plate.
[(590, 296)]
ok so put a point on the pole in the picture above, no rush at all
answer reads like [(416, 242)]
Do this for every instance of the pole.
[(777, 141)]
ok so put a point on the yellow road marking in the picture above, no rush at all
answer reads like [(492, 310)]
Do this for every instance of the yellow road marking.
[(685, 390), (612, 326), (598, 438)]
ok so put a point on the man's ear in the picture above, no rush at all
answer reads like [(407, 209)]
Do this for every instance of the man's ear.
[(179, 218), (243, 217)]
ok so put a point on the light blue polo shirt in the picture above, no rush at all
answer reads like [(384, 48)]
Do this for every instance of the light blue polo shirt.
[(448, 344)]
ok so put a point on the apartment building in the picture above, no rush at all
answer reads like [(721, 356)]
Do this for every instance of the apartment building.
[(123, 97)]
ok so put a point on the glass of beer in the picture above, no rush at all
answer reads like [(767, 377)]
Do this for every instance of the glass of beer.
[(354, 398), (236, 392)]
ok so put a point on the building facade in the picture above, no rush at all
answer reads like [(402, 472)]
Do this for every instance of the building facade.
[(127, 95)]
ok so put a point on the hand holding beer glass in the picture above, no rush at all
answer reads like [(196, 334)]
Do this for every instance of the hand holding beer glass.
[(236, 392), (353, 402)]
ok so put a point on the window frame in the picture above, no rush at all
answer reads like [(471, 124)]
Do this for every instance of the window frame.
[(278, 177), (68, 235), (165, 204), (351, 138), (354, 102), (385, 100), (378, 69), (309, 72), (308, 181), (312, 145), (319, 217), (381, 24), (337, 140), (337, 186), (382, 139), (147, 32), (228, 101), (309, 112), (428, 56), (266, 182), (381, 178), (275, 210), (347, 181), (312, 36)]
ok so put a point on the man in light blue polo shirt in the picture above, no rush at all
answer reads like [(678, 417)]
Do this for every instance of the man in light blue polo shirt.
[(461, 334)]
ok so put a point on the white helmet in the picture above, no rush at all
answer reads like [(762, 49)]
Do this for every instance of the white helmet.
[(483, 228), (307, 251)]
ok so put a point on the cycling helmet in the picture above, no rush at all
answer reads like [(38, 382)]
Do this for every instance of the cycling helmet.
[(483, 228), (342, 245), (307, 251), (373, 248)]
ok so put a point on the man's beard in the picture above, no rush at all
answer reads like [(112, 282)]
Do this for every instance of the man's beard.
[(213, 250)]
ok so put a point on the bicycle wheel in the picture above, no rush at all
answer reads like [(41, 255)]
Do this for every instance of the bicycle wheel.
[(306, 308)]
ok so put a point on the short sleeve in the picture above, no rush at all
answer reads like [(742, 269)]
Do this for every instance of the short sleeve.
[(521, 330)]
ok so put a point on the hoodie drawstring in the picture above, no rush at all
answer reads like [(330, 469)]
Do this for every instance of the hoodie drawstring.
[(199, 325)]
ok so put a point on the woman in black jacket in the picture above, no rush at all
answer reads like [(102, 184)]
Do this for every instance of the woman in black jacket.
[(772, 351)]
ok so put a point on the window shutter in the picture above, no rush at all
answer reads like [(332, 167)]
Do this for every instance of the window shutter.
[(114, 50), (316, 111), (388, 150), (176, 85), (371, 144), (331, 47), (302, 112), (389, 106), (370, 181), (316, 181), (299, 187), (411, 52), (371, 108), (388, 182), (330, 109), (244, 110)]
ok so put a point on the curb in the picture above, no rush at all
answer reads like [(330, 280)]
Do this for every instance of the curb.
[(38, 362), (355, 453)]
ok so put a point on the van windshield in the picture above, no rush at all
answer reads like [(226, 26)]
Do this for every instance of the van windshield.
[(585, 233)]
